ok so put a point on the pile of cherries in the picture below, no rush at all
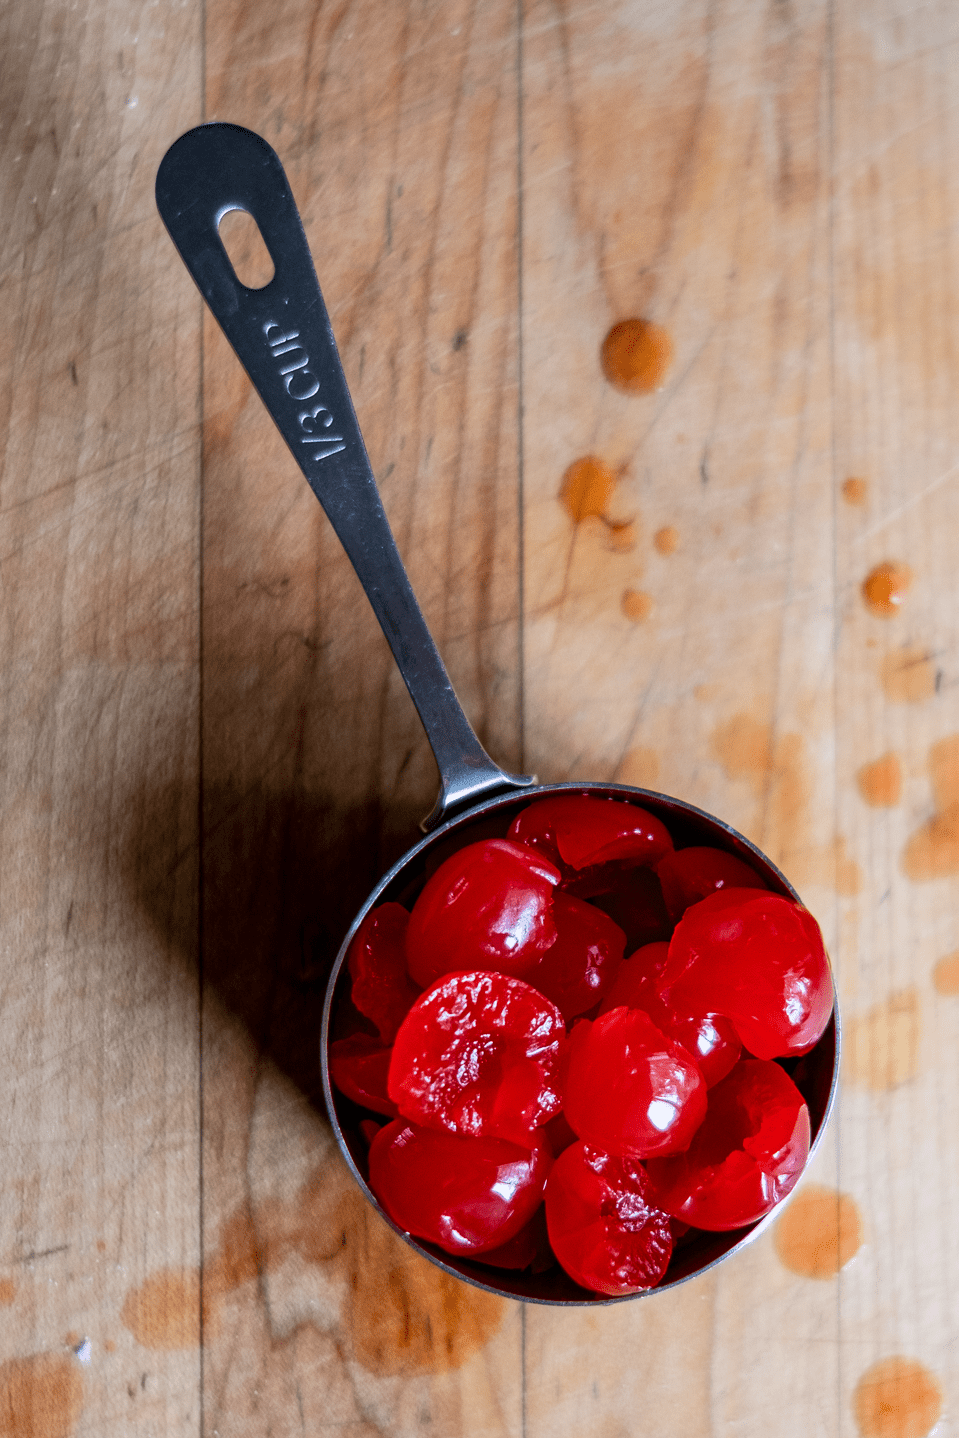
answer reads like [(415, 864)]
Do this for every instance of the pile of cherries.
[(551, 1099)]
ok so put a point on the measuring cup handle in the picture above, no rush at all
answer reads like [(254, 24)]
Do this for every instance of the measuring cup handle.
[(284, 340)]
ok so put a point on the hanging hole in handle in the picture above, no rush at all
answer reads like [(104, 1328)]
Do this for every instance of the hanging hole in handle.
[(246, 249)]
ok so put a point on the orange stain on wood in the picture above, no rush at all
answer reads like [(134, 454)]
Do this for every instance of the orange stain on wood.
[(945, 976), (164, 1312), (828, 864), (855, 491), (908, 676), (744, 747), (239, 1259), (8, 1291), (897, 1398), (776, 770), (944, 771), (635, 356), (621, 534), (402, 1314), (932, 852), (637, 605), (587, 488), (640, 767), (881, 1046), (885, 588), (819, 1233), (666, 540), (40, 1396), (880, 783)]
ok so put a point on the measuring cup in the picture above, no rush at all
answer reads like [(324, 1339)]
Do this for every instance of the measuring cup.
[(283, 338)]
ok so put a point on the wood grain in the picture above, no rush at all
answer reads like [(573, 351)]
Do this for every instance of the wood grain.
[(99, 550), (708, 217), (400, 146), (207, 757)]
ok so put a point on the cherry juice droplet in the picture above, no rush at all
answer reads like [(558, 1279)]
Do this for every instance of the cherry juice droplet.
[(945, 976), (880, 783), (637, 605), (855, 491), (885, 588), (587, 488), (897, 1398), (636, 355), (819, 1233)]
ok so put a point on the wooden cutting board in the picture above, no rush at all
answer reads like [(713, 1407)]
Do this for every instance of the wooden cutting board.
[(207, 757)]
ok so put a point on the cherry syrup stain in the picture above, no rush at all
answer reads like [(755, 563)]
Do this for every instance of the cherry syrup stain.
[(881, 1046), (775, 768), (635, 356), (637, 605), (164, 1312), (945, 976), (819, 1233), (621, 534), (399, 1313), (932, 852), (897, 1398), (908, 676), (40, 1397), (639, 767), (885, 588), (587, 488), (586, 493), (404, 1314), (855, 491), (666, 540), (880, 783)]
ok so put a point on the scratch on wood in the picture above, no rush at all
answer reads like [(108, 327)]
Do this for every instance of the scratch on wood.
[(34, 1254)]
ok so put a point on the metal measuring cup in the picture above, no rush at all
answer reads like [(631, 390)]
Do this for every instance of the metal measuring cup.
[(283, 338)]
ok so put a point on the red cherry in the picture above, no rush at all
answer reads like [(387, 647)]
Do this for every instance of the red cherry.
[(558, 1133), (584, 830), (688, 875), (758, 959), (479, 1054), (369, 1128), (604, 1225), (710, 1039), (747, 1155), (468, 1195), (630, 1090), (576, 971), (633, 899), (489, 906), (358, 1068), (527, 1249), (382, 989)]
